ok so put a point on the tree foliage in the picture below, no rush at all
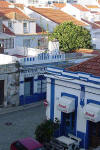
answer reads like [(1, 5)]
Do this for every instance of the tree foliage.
[(71, 37), (44, 131)]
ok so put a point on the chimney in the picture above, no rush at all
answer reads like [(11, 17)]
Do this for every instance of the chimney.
[(53, 46)]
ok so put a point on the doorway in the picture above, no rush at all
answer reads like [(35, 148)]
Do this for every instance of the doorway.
[(67, 123), (1, 92), (94, 134)]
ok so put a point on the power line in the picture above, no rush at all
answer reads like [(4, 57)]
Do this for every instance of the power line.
[(74, 88)]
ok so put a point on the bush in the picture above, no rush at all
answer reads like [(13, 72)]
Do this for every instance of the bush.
[(71, 37), (44, 131)]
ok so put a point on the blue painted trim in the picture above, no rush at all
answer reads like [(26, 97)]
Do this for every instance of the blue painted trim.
[(87, 135), (52, 99), (82, 95), (32, 98), (82, 136), (93, 101), (76, 105), (76, 73), (21, 82)]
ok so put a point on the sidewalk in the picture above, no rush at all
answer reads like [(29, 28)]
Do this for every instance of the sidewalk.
[(19, 108)]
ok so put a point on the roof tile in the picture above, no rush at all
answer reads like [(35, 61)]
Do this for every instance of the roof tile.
[(56, 16), (80, 7), (91, 66), (13, 13)]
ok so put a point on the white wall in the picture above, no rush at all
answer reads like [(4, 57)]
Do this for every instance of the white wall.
[(16, 25), (72, 86), (72, 11), (96, 37), (33, 40), (87, 2), (42, 21)]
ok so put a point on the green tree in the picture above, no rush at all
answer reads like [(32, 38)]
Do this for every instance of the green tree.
[(71, 37), (44, 132)]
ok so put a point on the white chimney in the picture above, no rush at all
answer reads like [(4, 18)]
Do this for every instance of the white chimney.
[(53, 46)]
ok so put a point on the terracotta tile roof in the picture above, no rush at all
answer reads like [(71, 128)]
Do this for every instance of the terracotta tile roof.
[(94, 25), (56, 16), (19, 5), (91, 66), (99, 1), (13, 13), (92, 6), (88, 51), (59, 5), (80, 7), (4, 4), (7, 31)]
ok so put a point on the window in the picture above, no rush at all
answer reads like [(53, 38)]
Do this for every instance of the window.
[(28, 86), (19, 146), (44, 85), (25, 27), (43, 42), (94, 46), (41, 84), (9, 24), (26, 42), (8, 43)]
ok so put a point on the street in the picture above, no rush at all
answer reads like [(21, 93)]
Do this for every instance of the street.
[(19, 124)]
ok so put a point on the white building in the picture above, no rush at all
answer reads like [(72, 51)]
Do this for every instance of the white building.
[(27, 34), (32, 79), (9, 81), (73, 98)]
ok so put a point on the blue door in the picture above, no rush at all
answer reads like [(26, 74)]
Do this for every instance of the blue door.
[(67, 123)]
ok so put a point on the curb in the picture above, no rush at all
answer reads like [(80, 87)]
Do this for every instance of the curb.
[(19, 108)]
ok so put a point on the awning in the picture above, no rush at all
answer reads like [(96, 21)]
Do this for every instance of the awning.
[(66, 105), (92, 112)]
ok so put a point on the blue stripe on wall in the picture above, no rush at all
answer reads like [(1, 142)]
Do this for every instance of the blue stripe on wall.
[(52, 99), (82, 135)]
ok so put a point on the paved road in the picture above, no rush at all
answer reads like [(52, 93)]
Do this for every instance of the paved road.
[(23, 125)]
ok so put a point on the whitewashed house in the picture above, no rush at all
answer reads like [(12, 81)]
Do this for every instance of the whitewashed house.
[(73, 98), (32, 79), (49, 18), (27, 33), (6, 37)]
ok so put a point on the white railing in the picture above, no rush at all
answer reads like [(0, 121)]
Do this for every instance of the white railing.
[(43, 58)]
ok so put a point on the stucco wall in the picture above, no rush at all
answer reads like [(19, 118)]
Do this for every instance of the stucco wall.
[(10, 74)]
